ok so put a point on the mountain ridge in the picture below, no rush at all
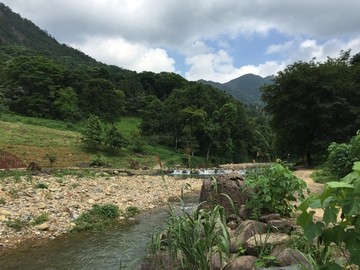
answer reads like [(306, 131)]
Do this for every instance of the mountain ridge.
[(245, 88)]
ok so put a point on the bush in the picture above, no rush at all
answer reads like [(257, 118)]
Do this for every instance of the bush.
[(273, 188), (342, 156), (93, 133), (97, 218), (41, 219), (114, 139)]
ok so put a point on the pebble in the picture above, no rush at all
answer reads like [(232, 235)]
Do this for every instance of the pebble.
[(64, 203)]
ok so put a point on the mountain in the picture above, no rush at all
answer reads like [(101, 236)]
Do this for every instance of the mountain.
[(245, 88), (22, 33)]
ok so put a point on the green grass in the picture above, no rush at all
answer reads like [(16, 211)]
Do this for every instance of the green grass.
[(323, 176)]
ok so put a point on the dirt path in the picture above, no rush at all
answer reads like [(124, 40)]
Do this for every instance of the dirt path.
[(313, 187)]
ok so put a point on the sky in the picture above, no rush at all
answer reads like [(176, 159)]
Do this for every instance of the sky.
[(216, 40)]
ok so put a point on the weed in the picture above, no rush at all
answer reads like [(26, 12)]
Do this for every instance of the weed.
[(14, 193), (2, 201), (40, 219), (41, 186), (17, 224), (131, 211), (98, 217)]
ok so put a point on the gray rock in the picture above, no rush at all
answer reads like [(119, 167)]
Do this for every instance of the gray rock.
[(291, 256), (241, 263), (280, 225), (264, 241)]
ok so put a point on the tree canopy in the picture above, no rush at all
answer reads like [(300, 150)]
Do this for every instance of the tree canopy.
[(314, 103)]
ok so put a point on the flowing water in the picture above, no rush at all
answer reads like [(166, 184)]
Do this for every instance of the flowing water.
[(114, 248)]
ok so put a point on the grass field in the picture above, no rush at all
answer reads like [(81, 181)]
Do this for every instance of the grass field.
[(34, 139)]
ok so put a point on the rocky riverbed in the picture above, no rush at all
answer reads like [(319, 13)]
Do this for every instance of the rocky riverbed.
[(23, 199)]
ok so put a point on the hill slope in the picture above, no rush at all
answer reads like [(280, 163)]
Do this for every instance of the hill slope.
[(245, 88)]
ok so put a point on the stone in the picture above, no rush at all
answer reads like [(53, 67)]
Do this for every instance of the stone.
[(91, 201), (211, 193), (2, 217), (268, 217), (280, 225), (5, 212), (43, 227), (217, 262), (241, 263), (264, 241), (289, 257)]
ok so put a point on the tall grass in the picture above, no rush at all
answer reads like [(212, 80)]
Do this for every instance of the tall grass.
[(193, 239)]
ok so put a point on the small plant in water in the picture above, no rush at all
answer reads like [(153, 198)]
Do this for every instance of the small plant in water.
[(98, 217)]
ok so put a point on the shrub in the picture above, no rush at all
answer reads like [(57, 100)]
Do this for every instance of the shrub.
[(93, 133), (342, 156), (98, 217), (273, 188), (114, 138), (338, 199)]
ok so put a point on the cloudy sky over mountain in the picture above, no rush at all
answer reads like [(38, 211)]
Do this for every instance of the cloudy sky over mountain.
[(215, 40)]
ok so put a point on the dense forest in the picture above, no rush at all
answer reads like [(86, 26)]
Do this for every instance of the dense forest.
[(308, 106)]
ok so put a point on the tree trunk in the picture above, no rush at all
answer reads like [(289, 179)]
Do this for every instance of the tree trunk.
[(308, 158), (208, 152)]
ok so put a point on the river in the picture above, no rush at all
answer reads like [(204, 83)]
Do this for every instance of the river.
[(120, 247)]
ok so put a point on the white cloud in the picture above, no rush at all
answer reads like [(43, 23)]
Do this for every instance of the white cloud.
[(127, 55), (219, 67), (278, 48)]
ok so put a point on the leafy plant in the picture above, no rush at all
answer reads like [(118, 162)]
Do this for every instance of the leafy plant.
[(97, 217), (131, 211), (114, 139), (41, 186), (93, 133), (40, 219), (273, 188), (340, 224), (16, 224), (194, 239), (51, 158)]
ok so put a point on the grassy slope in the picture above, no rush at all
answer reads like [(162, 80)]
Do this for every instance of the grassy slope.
[(31, 139)]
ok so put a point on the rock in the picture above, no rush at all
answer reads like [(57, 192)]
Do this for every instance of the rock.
[(2, 217), (5, 212), (241, 263), (211, 193), (280, 225), (244, 231), (268, 217), (244, 212), (289, 257), (43, 227), (91, 201), (217, 262), (263, 241)]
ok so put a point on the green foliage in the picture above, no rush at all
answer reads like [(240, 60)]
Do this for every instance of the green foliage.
[(272, 190), (41, 186), (313, 104), (98, 217), (93, 133), (2, 201), (340, 224), (114, 139), (17, 224), (40, 219), (342, 156), (51, 158), (132, 211), (194, 239)]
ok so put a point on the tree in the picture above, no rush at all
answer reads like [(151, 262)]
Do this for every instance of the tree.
[(67, 105), (93, 133), (312, 104), (114, 139), (102, 99)]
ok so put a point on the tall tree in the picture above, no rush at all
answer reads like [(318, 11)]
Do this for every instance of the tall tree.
[(311, 105)]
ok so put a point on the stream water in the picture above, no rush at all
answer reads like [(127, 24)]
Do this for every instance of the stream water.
[(119, 246)]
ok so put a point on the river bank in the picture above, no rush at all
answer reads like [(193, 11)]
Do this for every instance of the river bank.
[(64, 198)]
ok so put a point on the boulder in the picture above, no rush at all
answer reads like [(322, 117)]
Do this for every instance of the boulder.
[(292, 257), (241, 263), (265, 241), (280, 225), (213, 190), (244, 231)]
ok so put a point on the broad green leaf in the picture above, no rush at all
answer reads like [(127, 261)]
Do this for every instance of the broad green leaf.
[(330, 215), (351, 206), (334, 234), (339, 185), (305, 204), (356, 166), (305, 218), (350, 178), (316, 203), (313, 230)]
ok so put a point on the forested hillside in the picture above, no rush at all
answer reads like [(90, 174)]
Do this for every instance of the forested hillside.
[(309, 104)]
